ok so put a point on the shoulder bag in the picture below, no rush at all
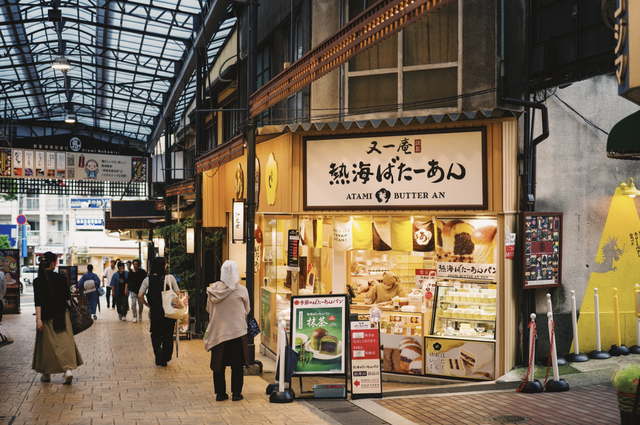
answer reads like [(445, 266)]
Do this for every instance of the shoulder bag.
[(252, 327), (172, 303), (80, 318)]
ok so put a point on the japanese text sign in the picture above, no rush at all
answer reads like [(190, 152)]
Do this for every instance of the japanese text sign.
[(366, 372), (428, 170), (542, 249)]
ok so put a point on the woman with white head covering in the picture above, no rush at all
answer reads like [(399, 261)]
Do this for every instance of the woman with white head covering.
[(228, 306)]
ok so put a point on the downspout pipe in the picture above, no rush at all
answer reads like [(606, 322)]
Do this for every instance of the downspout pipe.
[(545, 117)]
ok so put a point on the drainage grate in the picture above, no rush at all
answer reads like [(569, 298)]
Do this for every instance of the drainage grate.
[(507, 419)]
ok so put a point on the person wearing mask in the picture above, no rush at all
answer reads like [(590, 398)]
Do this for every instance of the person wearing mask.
[(120, 292), (55, 349), (89, 283), (134, 282), (161, 328), (228, 306), (383, 292), (107, 274)]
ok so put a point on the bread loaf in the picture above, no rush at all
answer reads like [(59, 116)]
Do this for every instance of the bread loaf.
[(484, 235)]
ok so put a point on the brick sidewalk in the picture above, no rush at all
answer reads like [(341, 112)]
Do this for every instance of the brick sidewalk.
[(596, 404), (120, 383)]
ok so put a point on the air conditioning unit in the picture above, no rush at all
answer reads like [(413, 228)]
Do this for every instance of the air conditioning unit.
[(52, 222)]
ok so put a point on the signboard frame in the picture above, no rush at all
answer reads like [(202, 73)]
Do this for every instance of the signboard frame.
[(371, 358), (533, 249), (333, 304)]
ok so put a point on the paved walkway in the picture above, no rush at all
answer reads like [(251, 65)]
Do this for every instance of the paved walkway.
[(120, 383)]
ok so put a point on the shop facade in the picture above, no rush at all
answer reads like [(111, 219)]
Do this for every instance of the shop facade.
[(428, 202)]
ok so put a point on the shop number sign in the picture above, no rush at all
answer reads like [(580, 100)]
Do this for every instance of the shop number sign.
[(366, 373)]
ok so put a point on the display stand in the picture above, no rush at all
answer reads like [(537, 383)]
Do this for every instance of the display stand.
[(319, 333)]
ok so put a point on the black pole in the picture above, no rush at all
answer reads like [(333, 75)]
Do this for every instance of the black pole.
[(199, 290), (251, 163)]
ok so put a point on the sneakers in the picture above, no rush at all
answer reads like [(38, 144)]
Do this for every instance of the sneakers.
[(122, 318), (67, 377), (135, 320), (95, 317), (45, 377)]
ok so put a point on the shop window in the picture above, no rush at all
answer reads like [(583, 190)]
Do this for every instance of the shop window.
[(413, 70)]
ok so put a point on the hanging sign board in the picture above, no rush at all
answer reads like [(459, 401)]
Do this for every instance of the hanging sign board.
[(366, 371), (542, 249), (319, 333), (428, 170), (238, 221)]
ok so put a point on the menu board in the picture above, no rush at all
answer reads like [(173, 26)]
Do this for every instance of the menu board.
[(542, 249), (459, 358), (319, 334), (366, 373)]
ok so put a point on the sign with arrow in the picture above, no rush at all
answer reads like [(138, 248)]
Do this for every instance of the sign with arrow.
[(366, 370)]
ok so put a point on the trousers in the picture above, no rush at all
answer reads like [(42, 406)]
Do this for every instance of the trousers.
[(162, 336), (232, 355), (136, 305), (122, 305)]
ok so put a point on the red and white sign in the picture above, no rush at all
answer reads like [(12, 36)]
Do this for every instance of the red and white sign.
[(21, 219), (366, 371), (510, 246), (427, 276)]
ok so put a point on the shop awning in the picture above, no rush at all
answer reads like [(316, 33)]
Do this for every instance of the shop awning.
[(391, 122), (624, 139)]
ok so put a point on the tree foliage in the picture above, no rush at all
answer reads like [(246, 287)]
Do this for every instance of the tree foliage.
[(4, 242)]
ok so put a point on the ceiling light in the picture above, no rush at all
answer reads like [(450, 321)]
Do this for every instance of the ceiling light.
[(61, 64), (70, 118), (629, 188)]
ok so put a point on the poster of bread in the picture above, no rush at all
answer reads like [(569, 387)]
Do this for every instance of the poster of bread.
[(459, 358), (402, 354), (318, 333), (468, 248)]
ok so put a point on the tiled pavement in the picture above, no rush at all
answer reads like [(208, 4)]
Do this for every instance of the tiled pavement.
[(120, 383)]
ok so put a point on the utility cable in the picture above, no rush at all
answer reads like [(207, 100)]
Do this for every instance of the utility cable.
[(579, 114)]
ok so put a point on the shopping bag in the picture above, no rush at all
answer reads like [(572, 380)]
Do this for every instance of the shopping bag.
[(291, 357), (80, 318), (100, 291), (253, 330), (173, 304)]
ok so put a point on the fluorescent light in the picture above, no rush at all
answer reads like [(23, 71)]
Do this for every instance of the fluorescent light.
[(70, 118), (61, 64)]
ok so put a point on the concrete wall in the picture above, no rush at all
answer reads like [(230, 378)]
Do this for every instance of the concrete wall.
[(574, 176)]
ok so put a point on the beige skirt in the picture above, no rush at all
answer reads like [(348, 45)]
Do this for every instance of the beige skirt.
[(55, 351)]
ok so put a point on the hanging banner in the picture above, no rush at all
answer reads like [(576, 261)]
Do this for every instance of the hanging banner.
[(438, 170), (366, 373), (318, 333), (71, 165)]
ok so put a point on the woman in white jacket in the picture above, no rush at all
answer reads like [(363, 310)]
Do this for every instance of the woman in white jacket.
[(228, 306)]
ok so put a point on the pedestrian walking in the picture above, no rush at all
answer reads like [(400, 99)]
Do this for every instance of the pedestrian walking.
[(134, 281), (161, 327), (55, 350), (228, 306), (120, 292), (107, 274), (89, 284)]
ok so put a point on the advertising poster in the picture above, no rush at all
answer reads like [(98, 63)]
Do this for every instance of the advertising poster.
[(18, 164), (9, 266), (469, 248), (40, 164), (318, 333), (366, 373), (542, 249), (402, 354), (28, 164), (51, 164), (265, 317), (459, 358), (5, 162)]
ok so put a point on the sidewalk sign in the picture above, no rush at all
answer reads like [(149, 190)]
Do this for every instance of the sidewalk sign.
[(366, 368)]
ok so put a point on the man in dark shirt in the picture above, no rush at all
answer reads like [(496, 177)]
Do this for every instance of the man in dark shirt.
[(134, 281), (119, 285)]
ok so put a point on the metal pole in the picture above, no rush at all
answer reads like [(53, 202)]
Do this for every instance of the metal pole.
[(199, 290), (251, 162)]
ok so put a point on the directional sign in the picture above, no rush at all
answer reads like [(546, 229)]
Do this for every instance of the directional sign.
[(21, 219)]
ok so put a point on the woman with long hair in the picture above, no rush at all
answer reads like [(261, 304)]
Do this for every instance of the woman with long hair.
[(55, 350), (161, 327)]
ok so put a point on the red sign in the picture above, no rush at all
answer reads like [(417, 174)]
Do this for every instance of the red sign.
[(366, 371), (21, 219), (510, 251)]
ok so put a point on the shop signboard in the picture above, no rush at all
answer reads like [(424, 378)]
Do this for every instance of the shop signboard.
[(26, 163), (366, 373), (89, 203), (542, 249), (89, 223), (9, 266), (460, 358), (293, 259), (319, 334), (469, 248), (428, 170)]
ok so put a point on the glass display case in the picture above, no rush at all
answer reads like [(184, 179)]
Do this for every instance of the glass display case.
[(465, 309)]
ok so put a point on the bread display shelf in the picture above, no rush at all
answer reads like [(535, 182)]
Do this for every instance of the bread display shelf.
[(460, 319), (466, 303)]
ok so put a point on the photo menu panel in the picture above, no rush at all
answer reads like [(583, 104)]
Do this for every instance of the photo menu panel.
[(542, 249)]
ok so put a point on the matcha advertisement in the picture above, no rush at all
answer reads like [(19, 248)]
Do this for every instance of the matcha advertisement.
[(318, 333)]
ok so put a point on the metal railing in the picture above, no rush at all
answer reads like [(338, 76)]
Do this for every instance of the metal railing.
[(54, 238)]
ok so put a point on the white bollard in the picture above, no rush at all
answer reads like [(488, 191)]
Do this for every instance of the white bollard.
[(575, 356), (556, 384), (561, 360), (598, 354), (282, 337)]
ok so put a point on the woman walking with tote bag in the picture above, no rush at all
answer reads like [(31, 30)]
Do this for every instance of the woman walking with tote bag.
[(228, 306), (161, 327), (55, 350)]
